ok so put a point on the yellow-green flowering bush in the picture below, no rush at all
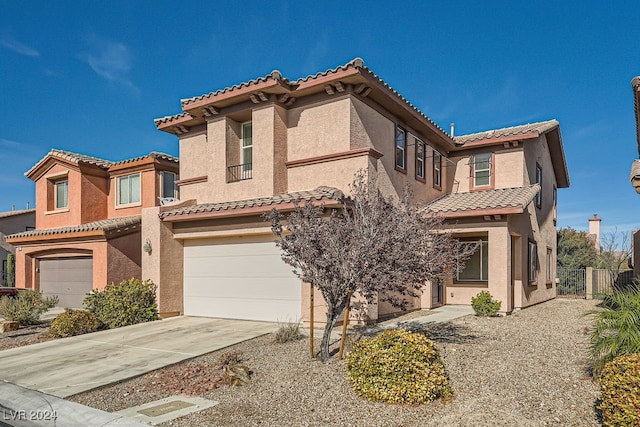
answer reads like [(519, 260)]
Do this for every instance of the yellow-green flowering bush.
[(397, 366), (620, 391)]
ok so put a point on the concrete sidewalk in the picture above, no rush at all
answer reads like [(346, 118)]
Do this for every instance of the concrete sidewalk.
[(21, 407), (68, 366)]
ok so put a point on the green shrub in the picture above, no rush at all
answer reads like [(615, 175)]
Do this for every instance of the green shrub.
[(620, 391), (73, 322), (397, 366), (288, 332), (27, 307), (484, 304), (126, 303), (616, 331)]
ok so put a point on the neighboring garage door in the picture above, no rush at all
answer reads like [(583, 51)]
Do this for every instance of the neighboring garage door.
[(239, 279), (70, 279)]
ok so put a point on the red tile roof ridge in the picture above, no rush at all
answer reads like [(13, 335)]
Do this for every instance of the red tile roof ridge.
[(485, 199), (108, 224), (167, 119)]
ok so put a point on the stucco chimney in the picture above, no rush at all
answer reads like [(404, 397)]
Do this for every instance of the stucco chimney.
[(594, 231)]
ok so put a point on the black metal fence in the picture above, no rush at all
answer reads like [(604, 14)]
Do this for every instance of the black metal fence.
[(572, 283), (239, 172), (590, 282)]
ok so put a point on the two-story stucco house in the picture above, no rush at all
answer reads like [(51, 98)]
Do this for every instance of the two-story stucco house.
[(87, 221), (12, 222), (263, 144)]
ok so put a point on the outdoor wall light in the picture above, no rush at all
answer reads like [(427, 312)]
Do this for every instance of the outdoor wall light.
[(147, 247)]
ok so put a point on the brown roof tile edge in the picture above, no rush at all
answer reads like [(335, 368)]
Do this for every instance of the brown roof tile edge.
[(536, 128), (105, 225), (520, 197), (16, 212), (356, 63), (320, 193)]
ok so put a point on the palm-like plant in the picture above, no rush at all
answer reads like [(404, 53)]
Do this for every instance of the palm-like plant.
[(616, 331)]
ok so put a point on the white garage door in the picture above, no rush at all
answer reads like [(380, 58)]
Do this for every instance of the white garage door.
[(239, 278), (70, 279)]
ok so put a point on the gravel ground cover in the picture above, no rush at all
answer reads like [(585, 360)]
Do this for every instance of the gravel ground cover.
[(527, 369), (25, 335)]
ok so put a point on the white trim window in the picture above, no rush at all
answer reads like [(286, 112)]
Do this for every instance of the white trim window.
[(476, 267), (533, 261), (128, 189), (246, 153), (61, 194), (420, 157), (549, 265), (437, 169), (401, 148), (482, 170), (168, 186)]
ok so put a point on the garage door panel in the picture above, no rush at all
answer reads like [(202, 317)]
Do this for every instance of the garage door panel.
[(70, 279), (247, 280)]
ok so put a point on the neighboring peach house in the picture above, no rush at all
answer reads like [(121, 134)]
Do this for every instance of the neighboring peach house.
[(87, 222), (263, 144), (13, 222)]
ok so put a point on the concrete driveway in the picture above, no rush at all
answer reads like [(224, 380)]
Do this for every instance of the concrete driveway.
[(68, 366)]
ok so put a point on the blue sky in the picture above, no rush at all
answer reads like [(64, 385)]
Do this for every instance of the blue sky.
[(90, 76)]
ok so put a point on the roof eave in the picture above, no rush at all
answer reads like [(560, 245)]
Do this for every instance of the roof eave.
[(483, 212)]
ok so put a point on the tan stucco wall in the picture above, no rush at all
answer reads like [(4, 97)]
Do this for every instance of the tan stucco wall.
[(46, 218), (337, 173), (148, 194), (164, 265), (319, 129), (124, 258), (508, 168)]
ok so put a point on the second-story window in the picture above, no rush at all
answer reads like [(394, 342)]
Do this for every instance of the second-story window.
[(61, 194), (129, 189), (247, 148), (437, 169), (539, 182), (401, 149), (420, 149), (482, 170), (168, 184)]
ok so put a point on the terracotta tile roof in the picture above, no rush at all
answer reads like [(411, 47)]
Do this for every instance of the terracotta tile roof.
[(320, 193), (17, 212), (153, 154), (274, 75), (101, 163), (105, 225), (356, 63), (475, 202), (515, 131)]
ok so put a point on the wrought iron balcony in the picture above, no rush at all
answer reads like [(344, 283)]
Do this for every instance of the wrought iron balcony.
[(239, 172)]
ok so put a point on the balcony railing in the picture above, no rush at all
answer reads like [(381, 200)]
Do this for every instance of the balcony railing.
[(239, 172)]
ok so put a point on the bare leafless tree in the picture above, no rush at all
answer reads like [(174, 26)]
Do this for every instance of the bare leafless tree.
[(615, 252), (374, 245)]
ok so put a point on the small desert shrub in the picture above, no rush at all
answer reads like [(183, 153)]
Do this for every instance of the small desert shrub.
[(484, 304), (73, 322), (288, 332), (126, 303), (397, 366), (620, 391), (27, 307)]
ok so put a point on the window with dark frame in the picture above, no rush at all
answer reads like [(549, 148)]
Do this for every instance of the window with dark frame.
[(401, 149), (533, 261), (482, 170), (476, 267), (437, 169), (549, 265), (420, 158), (539, 181), (168, 184)]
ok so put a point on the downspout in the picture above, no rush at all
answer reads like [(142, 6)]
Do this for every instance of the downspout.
[(635, 167)]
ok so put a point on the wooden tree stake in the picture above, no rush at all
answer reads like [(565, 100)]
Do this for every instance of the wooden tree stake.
[(344, 326)]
